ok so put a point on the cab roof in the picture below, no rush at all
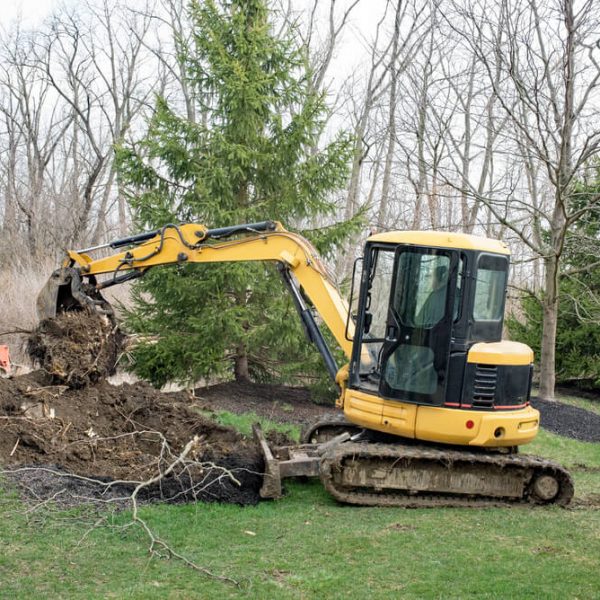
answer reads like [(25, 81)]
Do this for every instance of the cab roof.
[(441, 239)]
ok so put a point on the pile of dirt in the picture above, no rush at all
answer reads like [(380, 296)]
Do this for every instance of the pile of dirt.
[(126, 433), (76, 348)]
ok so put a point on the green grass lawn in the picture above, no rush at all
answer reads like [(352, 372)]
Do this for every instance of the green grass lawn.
[(307, 546), (244, 422)]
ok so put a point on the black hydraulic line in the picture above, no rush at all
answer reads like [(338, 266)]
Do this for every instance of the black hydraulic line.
[(134, 239), (217, 233), (313, 333), (223, 232), (120, 279)]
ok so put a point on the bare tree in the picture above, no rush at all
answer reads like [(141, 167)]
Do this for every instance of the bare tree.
[(94, 66), (32, 136), (321, 54), (70, 91), (410, 21), (541, 61)]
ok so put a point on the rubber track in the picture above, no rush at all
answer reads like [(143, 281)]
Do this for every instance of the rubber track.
[(333, 461), (329, 421)]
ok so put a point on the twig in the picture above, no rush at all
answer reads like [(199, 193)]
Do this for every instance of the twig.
[(45, 502), (60, 389), (15, 447), (16, 331)]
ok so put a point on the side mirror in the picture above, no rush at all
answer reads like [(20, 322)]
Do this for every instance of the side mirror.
[(352, 312)]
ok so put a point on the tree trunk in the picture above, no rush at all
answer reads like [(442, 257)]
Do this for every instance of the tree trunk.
[(242, 375), (382, 218), (549, 323)]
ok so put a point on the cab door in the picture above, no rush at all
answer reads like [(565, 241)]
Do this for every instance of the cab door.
[(416, 350)]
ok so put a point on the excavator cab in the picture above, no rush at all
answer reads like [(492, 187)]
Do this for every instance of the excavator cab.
[(407, 318), (428, 334)]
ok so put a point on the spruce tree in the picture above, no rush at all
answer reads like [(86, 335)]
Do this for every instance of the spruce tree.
[(253, 154)]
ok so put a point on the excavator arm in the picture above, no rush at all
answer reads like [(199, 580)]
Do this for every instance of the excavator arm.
[(297, 260)]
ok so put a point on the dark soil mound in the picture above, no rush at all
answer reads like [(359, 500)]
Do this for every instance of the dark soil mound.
[(129, 433), (276, 402), (76, 348), (570, 421)]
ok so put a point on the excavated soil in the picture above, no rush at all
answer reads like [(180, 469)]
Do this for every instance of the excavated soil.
[(76, 348), (128, 433)]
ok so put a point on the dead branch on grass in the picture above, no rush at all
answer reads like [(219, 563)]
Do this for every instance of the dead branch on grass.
[(157, 542), (177, 465)]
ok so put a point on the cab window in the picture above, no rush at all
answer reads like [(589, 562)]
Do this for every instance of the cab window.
[(490, 286), (376, 309), (421, 289)]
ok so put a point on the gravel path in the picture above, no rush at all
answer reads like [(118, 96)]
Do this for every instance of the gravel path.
[(569, 421)]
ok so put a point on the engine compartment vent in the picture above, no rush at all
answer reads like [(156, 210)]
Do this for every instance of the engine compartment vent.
[(484, 386)]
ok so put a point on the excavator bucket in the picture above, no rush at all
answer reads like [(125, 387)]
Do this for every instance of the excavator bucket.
[(64, 291), (58, 285)]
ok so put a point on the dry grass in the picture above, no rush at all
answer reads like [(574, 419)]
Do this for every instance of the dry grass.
[(20, 286)]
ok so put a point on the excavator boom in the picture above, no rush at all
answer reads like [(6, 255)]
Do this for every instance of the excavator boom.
[(297, 260)]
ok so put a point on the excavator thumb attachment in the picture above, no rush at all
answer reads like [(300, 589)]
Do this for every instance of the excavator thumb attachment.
[(65, 291)]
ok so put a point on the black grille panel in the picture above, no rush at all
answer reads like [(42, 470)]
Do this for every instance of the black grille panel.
[(484, 386)]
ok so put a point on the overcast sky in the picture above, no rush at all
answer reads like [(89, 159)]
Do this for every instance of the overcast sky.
[(30, 10), (351, 50)]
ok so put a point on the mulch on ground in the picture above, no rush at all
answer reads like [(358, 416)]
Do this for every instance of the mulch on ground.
[(570, 421), (278, 403)]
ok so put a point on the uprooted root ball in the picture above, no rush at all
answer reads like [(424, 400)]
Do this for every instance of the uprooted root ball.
[(76, 348)]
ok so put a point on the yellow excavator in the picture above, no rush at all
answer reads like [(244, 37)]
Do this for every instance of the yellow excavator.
[(435, 404)]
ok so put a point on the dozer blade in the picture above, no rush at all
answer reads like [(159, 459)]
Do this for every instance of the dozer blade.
[(64, 291)]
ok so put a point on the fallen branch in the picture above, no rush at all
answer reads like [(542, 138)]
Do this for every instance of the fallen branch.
[(176, 465), (155, 541)]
